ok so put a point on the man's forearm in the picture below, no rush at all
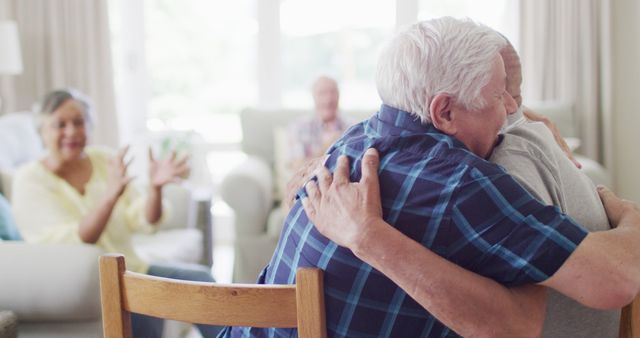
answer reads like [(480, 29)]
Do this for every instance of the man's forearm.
[(604, 271), (471, 305)]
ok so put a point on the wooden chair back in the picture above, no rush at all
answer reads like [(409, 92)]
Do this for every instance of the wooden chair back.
[(630, 320), (282, 306)]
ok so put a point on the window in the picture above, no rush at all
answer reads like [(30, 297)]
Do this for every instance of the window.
[(330, 38), (497, 14), (200, 57), (194, 64)]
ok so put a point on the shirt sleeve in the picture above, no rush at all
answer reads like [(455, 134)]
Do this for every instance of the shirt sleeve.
[(504, 233)]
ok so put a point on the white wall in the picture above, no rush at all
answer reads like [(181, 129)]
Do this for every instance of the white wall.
[(626, 98)]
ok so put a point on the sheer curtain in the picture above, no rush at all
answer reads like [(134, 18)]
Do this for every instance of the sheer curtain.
[(65, 43), (565, 50)]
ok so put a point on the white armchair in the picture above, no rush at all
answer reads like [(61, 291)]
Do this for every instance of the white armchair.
[(250, 189)]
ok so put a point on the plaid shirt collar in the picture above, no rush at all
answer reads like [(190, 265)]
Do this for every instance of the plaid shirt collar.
[(390, 121)]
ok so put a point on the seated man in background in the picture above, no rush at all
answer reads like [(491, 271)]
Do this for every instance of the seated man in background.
[(310, 137), (443, 87)]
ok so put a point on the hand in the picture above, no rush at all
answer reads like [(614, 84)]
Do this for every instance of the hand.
[(616, 207), (531, 116), (303, 174), (117, 170), (167, 170), (344, 211)]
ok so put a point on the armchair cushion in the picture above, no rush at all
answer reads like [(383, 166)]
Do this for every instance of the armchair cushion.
[(19, 140), (172, 245)]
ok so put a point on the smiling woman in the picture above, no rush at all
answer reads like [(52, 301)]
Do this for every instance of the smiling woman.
[(64, 134), (82, 195)]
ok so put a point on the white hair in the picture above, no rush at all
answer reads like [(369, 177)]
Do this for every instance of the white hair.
[(439, 56)]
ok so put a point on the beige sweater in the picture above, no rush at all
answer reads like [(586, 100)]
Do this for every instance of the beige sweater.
[(529, 153)]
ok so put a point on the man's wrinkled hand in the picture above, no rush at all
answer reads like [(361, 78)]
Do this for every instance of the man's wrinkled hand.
[(341, 210), (302, 175), (616, 207)]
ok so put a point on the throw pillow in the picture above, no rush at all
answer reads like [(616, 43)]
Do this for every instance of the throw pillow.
[(8, 228), (281, 157)]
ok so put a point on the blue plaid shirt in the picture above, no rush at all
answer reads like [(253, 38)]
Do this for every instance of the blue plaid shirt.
[(438, 193)]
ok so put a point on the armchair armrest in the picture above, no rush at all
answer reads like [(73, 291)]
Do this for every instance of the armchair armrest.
[(180, 201), (190, 208), (50, 282), (248, 190)]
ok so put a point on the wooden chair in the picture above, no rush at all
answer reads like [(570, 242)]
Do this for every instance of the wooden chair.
[(283, 306), (630, 320)]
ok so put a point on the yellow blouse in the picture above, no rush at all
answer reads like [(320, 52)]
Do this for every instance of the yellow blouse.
[(47, 209)]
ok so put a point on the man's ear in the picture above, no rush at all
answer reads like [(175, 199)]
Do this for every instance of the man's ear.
[(441, 115)]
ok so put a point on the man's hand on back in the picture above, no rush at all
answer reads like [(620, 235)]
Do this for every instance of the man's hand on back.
[(343, 211), (303, 174), (618, 208)]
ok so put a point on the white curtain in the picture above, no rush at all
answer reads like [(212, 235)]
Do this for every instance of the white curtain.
[(565, 51), (65, 43)]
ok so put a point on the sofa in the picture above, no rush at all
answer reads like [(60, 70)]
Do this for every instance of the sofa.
[(54, 289), (251, 188)]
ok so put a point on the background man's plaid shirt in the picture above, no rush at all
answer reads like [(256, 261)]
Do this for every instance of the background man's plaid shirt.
[(438, 193)]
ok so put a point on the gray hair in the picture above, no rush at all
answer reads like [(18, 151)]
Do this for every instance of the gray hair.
[(439, 56), (57, 98)]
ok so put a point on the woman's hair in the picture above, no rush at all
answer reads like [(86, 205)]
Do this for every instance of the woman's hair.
[(57, 98), (439, 56)]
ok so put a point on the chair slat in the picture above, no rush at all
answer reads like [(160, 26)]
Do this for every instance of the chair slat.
[(208, 303), (114, 316), (630, 320), (310, 300)]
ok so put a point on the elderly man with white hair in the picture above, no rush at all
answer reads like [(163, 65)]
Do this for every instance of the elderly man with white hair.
[(311, 136), (443, 87)]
